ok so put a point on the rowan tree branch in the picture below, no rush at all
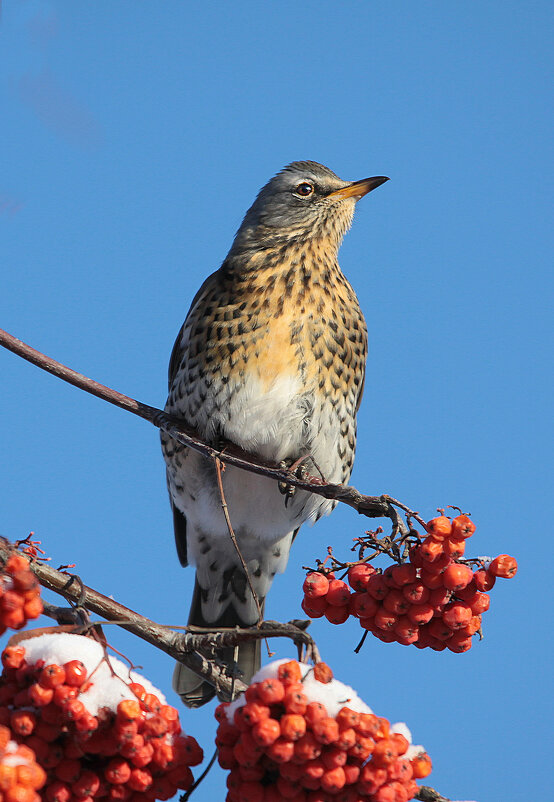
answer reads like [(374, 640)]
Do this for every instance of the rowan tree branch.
[(371, 506), (194, 647)]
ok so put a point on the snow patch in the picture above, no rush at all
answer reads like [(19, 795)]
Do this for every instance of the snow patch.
[(107, 690), (334, 695)]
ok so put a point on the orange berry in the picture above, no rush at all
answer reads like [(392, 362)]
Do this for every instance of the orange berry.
[(15, 563), (14, 619), (347, 718), (480, 604), (271, 691), (421, 765), (396, 602), (325, 730), (333, 780), (431, 549), (372, 777), (293, 726), (7, 776), (503, 566), (13, 657), (439, 527), (51, 676), (462, 526), (322, 673), (484, 580), (117, 771), (129, 710), (33, 608), (337, 615), (459, 642), (338, 594), (346, 739), (362, 749), (363, 605), (295, 700), (289, 672), (401, 743), (280, 751), (266, 731), (454, 547), (457, 615), (457, 576), (20, 793), (384, 619), (314, 607), (315, 585), (40, 696), (75, 673), (368, 725), (358, 575), (23, 722), (314, 712), (307, 748)]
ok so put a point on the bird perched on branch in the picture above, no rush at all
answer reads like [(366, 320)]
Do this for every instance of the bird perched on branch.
[(271, 357)]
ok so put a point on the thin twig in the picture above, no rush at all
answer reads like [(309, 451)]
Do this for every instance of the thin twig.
[(234, 538), (371, 506), (197, 782)]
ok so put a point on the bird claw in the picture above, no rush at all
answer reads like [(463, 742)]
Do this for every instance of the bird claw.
[(299, 469)]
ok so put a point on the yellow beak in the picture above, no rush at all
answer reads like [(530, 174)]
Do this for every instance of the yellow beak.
[(357, 189)]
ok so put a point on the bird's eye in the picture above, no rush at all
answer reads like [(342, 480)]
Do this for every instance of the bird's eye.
[(304, 189)]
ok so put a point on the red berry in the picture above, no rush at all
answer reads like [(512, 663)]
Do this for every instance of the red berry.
[(421, 613), (322, 673), (314, 607), (462, 526), (337, 615), (358, 575), (503, 566), (363, 605), (404, 574), (315, 585), (457, 576), (338, 594), (439, 527), (480, 604), (75, 673), (484, 580), (51, 676), (431, 549), (457, 615)]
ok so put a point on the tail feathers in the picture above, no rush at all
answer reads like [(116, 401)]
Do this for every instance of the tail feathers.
[(243, 661)]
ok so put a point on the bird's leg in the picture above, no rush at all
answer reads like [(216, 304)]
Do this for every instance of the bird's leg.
[(299, 469)]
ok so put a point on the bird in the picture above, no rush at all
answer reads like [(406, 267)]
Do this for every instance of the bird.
[(271, 357)]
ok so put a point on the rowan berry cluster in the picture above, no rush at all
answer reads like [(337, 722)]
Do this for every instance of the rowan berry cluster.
[(433, 599), (19, 593), (96, 734), (21, 777), (301, 736)]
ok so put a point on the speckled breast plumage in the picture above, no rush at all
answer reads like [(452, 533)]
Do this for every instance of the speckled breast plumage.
[(271, 357)]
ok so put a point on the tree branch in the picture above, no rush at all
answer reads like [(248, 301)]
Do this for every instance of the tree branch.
[(195, 647), (371, 506)]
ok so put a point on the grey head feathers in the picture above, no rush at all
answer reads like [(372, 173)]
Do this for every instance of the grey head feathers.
[(293, 204)]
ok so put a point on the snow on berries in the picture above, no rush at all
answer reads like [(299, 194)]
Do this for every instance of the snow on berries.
[(98, 730), (19, 593), (21, 777), (299, 734), (430, 597)]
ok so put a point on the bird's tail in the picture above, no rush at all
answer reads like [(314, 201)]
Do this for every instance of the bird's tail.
[(243, 660)]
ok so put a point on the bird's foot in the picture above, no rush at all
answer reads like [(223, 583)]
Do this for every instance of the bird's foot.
[(299, 469)]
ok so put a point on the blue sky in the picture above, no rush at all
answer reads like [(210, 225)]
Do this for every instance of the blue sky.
[(134, 137)]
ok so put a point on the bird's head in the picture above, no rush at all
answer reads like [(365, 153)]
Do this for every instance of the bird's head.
[(304, 201)]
